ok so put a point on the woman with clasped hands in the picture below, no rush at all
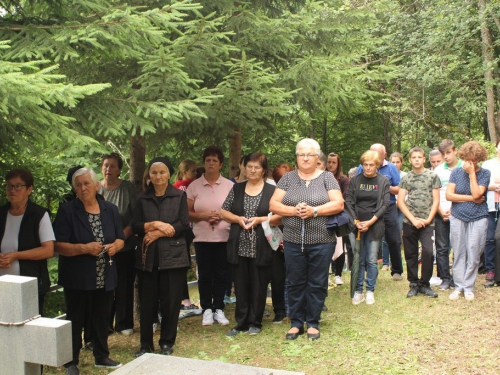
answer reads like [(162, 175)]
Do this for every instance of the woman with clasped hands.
[(305, 198), (88, 234), (248, 251), (161, 220)]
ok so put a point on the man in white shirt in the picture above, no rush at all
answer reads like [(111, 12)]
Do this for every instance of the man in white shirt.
[(442, 219)]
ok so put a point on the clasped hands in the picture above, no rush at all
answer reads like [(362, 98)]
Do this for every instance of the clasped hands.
[(304, 211), (95, 248), (159, 229), (6, 259)]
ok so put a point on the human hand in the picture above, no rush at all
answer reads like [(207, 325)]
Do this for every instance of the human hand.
[(479, 200), (93, 248), (6, 259), (252, 222), (469, 167), (111, 249)]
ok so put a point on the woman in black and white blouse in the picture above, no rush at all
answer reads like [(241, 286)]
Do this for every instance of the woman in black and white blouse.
[(248, 252), (305, 198)]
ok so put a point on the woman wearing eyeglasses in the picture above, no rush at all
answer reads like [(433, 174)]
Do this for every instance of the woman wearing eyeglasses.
[(248, 252), (27, 238), (305, 198)]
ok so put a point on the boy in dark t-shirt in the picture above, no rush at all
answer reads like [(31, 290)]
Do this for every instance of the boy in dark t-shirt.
[(418, 200)]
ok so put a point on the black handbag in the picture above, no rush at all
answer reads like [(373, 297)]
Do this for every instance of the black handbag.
[(340, 224)]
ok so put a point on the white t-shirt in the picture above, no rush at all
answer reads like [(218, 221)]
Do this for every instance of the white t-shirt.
[(493, 165), (11, 235), (444, 173)]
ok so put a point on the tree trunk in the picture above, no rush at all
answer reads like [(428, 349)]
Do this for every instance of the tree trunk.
[(487, 49), (324, 145), (137, 160), (234, 151)]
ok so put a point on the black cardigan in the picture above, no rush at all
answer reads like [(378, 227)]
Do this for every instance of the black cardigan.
[(29, 239), (377, 230), (264, 250)]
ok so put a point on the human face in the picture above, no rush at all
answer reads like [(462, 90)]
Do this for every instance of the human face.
[(159, 175), (307, 158), (369, 168), (332, 164), (435, 160), (85, 188), (109, 169), (190, 174), (254, 171), (18, 197), (417, 160), (397, 162), (212, 165), (320, 165), (450, 156)]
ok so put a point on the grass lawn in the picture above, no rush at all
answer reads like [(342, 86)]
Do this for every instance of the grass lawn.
[(397, 335)]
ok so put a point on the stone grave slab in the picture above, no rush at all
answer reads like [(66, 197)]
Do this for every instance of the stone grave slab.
[(156, 364), (27, 340)]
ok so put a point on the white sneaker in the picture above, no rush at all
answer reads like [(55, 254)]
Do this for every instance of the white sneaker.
[(127, 332), (358, 298), (330, 282), (220, 318), (370, 298), (454, 295), (208, 318), (469, 296), (338, 280)]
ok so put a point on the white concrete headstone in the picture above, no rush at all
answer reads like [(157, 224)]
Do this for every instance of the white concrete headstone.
[(26, 342)]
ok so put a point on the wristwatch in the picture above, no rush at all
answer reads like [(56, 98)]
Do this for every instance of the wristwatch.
[(315, 211)]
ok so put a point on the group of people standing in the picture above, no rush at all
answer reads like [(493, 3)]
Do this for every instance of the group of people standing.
[(107, 235)]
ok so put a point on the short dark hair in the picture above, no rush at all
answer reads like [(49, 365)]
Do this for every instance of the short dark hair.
[(396, 155), (213, 151), (445, 145), (258, 157), (23, 173), (113, 155)]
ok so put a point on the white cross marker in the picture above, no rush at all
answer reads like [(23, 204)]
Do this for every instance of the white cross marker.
[(24, 347)]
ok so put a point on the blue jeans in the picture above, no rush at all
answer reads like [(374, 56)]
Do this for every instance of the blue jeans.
[(489, 249), (367, 259), (307, 281)]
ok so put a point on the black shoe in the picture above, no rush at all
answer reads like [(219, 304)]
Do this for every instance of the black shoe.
[(166, 350), (313, 336), (233, 332), (413, 291), (142, 351), (445, 285), (491, 284), (89, 346), (107, 362), (427, 291), (452, 284), (324, 308), (278, 319), (72, 370), (293, 336)]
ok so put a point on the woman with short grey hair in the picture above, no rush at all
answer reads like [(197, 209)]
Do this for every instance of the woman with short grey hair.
[(305, 198)]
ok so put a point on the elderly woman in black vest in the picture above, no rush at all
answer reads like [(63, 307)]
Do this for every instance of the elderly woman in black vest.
[(88, 234), (26, 234), (161, 220), (248, 252)]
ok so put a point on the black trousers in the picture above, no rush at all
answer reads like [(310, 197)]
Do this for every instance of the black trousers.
[(393, 239), (122, 310), (211, 258), (166, 286), (250, 286), (411, 236), (76, 306), (278, 283)]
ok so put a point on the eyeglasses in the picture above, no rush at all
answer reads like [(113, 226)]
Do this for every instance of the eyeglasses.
[(256, 169), (309, 156), (15, 187)]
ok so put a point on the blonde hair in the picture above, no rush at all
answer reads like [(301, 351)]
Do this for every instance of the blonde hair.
[(184, 166), (370, 155)]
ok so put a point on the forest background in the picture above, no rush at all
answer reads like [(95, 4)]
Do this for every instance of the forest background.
[(79, 78)]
